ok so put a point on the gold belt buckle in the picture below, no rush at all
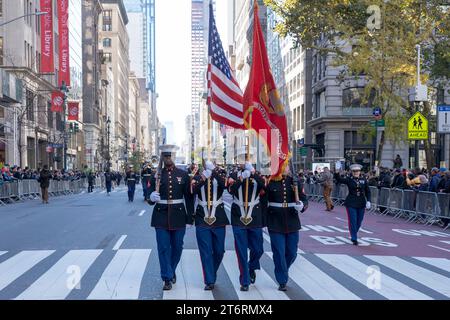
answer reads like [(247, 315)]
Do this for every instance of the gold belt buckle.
[(169, 201), (285, 205)]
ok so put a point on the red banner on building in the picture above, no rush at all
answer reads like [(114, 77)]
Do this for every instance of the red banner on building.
[(73, 111), (47, 63), (63, 27), (57, 101)]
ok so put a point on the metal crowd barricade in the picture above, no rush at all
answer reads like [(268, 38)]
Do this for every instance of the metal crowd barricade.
[(426, 205), (409, 204), (395, 202), (374, 199), (443, 208)]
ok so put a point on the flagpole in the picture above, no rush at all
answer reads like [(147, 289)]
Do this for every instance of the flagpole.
[(247, 157), (209, 158)]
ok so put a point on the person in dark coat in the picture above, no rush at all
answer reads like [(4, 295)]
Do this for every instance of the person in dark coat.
[(130, 180), (146, 174), (44, 181), (210, 220), (108, 181), (247, 222), (91, 179), (170, 193), (357, 200), (283, 223)]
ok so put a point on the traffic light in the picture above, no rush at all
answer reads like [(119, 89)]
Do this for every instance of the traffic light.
[(76, 128), (71, 127)]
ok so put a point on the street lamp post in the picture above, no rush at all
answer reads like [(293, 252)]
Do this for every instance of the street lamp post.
[(65, 134), (108, 121), (40, 13)]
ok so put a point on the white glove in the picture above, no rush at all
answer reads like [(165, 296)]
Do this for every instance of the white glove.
[(209, 165), (299, 206), (246, 174), (207, 173), (155, 197), (249, 167), (368, 205)]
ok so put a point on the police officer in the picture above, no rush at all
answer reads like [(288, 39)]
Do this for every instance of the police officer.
[(283, 223), (146, 175), (131, 180), (210, 220), (174, 208), (357, 200), (247, 222)]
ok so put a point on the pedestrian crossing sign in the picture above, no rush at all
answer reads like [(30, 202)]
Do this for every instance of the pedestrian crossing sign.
[(417, 127)]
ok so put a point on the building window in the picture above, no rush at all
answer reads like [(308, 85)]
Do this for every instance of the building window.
[(49, 115), (302, 120), (107, 42), (107, 20), (107, 57), (29, 99), (352, 97)]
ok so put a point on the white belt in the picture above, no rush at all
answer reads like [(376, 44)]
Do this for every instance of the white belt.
[(175, 201), (250, 203), (282, 205), (131, 179), (146, 175), (212, 203)]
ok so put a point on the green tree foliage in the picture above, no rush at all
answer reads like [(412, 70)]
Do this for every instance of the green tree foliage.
[(384, 55)]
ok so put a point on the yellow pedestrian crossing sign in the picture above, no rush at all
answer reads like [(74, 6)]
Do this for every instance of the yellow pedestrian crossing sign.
[(417, 127)]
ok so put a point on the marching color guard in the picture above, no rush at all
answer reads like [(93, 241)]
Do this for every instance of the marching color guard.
[(174, 208), (210, 221), (131, 180), (247, 222)]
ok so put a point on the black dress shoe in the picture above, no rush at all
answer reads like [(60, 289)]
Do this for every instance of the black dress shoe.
[(282, 287), (209, 287), (244, 288), (167, 285), (174, 279), (252, 276), (355, 242)]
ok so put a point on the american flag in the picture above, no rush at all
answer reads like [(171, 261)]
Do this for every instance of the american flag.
[(224, 94)]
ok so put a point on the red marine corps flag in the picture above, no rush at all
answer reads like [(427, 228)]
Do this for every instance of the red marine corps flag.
[(63, 27), (47, 62), (263, 110)]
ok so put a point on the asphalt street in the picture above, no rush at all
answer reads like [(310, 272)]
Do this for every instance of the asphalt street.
[(95, 246)]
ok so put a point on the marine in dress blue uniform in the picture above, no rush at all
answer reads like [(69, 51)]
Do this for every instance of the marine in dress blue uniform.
[(210, 220), (247, 223), (174, 208), (131, 180), (283, 223), (357, 201), (146, 175)]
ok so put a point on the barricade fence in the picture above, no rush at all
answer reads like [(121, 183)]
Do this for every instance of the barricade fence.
[(419, 206), (21, 190)]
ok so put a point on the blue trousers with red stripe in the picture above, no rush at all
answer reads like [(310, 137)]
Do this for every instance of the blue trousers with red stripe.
[(211, 244), (355, 218), (170, 247), (284, 248), (244, 239)]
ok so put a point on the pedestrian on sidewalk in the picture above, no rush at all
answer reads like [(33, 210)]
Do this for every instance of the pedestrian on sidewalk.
[(44, 181), (357, 200), (326, 179)]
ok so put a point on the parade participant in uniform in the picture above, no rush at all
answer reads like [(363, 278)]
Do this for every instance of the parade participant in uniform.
[(210, 221), (247, 222), (108, 181), (131, 179), (146, 175), (174, 208), (283, 223), (357, 200)]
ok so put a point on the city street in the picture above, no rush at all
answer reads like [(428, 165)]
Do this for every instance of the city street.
[(94, 246)]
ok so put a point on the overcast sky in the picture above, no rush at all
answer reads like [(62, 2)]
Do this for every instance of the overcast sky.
[(173, 58)]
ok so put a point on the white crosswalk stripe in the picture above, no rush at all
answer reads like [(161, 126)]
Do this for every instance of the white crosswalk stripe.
[(122, 276), (64, 276)]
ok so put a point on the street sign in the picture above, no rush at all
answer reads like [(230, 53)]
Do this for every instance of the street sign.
[(443, 119), (417, 127), (377, 123), (377, 111), (301, 141), (303, 151)]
